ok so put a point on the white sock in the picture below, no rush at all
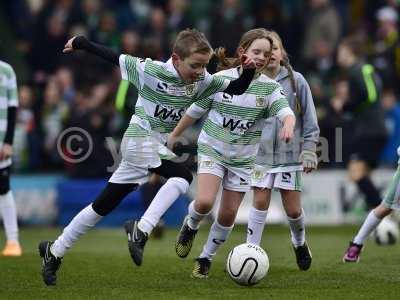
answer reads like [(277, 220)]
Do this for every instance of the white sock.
[(217, 236), (297, 230), (166, 196), (80, 224), (194, 217), (9, 215), (255, 225), (370, 223)]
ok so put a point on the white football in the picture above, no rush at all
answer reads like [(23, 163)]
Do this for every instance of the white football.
[(247, 264), (387, 232)]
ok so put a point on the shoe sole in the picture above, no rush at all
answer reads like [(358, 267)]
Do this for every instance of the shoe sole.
[(11, 254), (306, 268), (350, 261), (17, 254), (178, 244), (198, 276), (184, 255)]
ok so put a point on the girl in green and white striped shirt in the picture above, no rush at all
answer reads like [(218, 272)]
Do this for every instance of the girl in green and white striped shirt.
[(228, 144)]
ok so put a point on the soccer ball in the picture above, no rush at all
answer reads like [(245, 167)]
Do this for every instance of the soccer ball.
[(387, 232), (247, 264)]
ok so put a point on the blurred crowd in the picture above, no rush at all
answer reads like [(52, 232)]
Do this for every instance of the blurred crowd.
[(79, 90)]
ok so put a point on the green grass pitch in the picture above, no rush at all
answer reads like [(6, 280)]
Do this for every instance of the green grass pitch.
[(99, 267)]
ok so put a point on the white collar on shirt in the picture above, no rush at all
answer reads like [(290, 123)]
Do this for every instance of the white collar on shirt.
[(170, 67)]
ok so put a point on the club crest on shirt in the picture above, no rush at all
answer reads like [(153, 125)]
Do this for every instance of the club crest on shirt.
[(257, 174), (208, 164), (260, 101), (190, 89)]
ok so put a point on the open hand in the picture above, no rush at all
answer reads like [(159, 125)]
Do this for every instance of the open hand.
[(309, 160), (6, 151), (247, 62), (171, 142), (68, 46), (286, 133)]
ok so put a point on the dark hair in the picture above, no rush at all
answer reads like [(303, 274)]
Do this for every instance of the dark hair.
[(247, 39), (285, 63), (191, 41), (355, 45)]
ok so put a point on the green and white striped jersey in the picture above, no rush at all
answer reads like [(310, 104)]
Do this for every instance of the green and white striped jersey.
[(232, 130), (163, 96), (8, 97)]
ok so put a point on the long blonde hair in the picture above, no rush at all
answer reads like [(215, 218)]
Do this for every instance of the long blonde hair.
[(247, 39), (285, 63)]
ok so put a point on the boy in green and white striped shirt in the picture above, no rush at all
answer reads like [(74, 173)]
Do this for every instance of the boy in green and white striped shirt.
[(165, 91), (8, 111)]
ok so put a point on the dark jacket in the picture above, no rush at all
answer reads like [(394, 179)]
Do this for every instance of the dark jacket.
[(364, 104)]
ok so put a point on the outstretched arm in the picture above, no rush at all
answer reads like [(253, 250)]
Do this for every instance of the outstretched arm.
[(310, 128), (6, 150), (240, 85), (184, 123), (193, 113), (82, 43), (287, 130)]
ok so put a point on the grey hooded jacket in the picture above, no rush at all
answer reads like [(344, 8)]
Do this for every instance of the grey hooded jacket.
[(276, 153)]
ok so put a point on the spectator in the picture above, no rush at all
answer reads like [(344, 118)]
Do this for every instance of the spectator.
[(144, 28), (228, 22), (334, 118), (363, 104), (65, 81), (91, 11), (130, 43), (91, 113), (54, 111), (322, 32), (134, 12), (386, 47), (46, 48), (177, 16), (156, 31), (107, 32), (26, 143), (391, 107)]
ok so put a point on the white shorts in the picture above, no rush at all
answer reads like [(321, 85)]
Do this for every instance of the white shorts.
[(233, 179), (138, 155), (283, 180)]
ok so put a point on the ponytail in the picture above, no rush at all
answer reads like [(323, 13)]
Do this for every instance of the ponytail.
[(286, 64), (223, 61)]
